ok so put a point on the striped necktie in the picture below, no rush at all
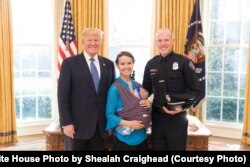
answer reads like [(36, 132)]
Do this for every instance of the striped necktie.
[(94, 74)]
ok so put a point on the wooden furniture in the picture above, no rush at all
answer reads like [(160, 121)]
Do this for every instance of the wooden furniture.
[(198, 137), (54, 137)]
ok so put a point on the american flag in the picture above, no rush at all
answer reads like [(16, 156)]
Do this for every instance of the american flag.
[(67, 40), (194, 49)]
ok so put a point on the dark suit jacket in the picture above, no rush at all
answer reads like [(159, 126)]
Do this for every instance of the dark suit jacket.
[(78, 102)]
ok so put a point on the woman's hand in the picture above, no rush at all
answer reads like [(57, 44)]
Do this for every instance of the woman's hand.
[(136, 124), (132, 124), (145, 103)]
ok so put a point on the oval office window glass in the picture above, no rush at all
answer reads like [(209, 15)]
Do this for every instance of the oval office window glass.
[(33, 58), (129, 28), (228, 37)]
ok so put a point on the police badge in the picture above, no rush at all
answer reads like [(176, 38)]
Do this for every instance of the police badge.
[(175, 66)]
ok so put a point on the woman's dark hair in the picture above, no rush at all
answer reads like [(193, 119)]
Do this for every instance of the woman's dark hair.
[(124, 53)]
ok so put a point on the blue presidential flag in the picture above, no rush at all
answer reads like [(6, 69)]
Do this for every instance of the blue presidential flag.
[(194, 49)]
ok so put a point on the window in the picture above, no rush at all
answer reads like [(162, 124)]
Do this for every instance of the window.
[(129, 25), (227, 42), (33, 37)]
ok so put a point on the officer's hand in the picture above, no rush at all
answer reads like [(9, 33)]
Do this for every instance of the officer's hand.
[(172, 112)]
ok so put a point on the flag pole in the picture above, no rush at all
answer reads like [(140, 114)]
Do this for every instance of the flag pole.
[(197, 20)]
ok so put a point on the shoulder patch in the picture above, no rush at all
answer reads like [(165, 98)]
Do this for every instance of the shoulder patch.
[(191, 65)]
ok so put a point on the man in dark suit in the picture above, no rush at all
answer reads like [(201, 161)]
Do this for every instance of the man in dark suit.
[(82, 90)]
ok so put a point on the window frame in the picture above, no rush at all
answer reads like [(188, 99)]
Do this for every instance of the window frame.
[(220, 128), (29, 127)]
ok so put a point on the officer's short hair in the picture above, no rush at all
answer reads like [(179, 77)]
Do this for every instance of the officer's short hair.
[(166, 30)]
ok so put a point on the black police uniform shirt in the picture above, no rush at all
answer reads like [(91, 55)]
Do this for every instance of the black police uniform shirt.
[(179, 72)]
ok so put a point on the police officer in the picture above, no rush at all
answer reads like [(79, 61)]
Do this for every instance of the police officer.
[(177, 74)]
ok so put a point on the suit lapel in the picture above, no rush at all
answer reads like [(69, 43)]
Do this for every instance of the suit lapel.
[(103, 69), (85, 69)]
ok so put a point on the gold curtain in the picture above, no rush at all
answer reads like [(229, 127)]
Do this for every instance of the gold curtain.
[(7, 110), (174, 15), (58, 7), (89, 14), (246, 126)]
